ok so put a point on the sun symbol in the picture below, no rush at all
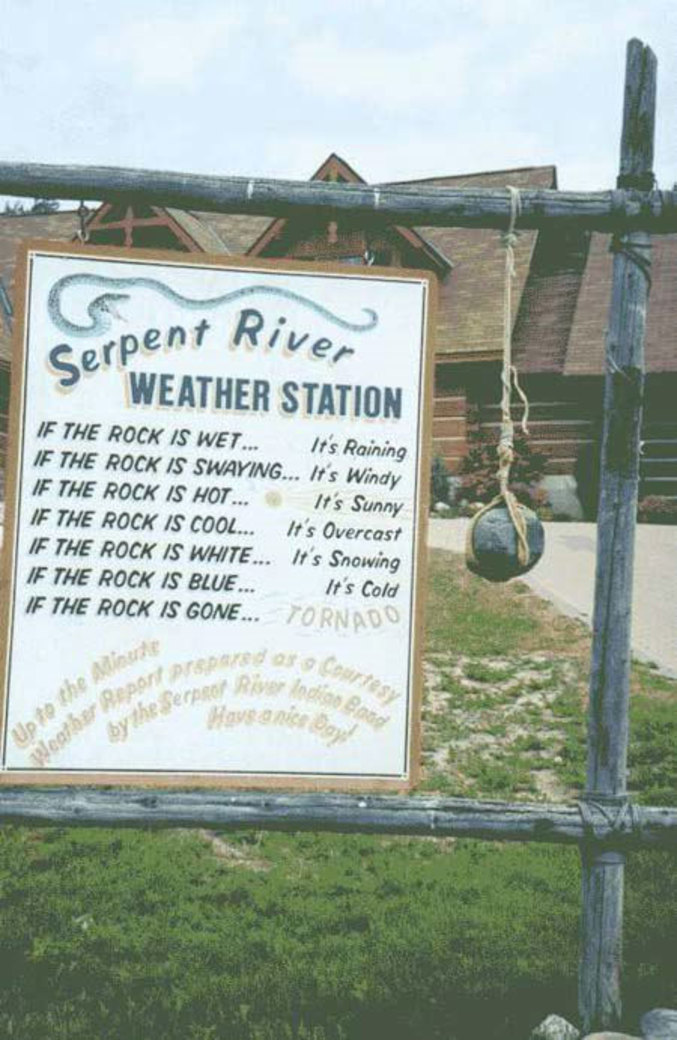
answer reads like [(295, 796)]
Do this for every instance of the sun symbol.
[(274, 499)]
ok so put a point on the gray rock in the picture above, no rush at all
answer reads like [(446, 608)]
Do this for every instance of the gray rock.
[(610, 1036), (659, 1024), (563, 497), (495, 544), (555, 1028)]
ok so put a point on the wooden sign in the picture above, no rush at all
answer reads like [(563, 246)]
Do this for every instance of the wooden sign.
[(215, 523)]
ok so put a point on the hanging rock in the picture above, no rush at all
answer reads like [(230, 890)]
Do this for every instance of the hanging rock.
[(494, 542), (555, 1028), (659, 1024)]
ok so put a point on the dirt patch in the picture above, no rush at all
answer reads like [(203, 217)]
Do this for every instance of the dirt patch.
[(231, 852), (503, 726), (236, 855)]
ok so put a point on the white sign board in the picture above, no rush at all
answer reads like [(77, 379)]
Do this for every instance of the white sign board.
[(217, 502)]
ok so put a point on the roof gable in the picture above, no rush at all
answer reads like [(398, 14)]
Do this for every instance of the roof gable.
[(130, 224), (337, 170)]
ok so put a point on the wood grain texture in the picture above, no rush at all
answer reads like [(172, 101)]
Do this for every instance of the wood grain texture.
[(347, 813), (600, 967), (654, 211), (602, 909)]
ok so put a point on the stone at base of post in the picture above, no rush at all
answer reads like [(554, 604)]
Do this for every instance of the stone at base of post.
[(659, 1024)]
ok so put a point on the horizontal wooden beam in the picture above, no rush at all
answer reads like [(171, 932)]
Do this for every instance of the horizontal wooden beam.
[(654, 211), (375, 814)]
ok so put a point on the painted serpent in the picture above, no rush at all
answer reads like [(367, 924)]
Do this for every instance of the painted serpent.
[(104, 307)]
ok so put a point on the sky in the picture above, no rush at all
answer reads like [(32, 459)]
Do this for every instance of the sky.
[(402, 89)]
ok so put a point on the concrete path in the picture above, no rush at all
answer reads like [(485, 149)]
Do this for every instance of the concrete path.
[(566, 576)]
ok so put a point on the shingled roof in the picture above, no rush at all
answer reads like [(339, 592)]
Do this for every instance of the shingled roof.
[(585, 349), (470, 312)]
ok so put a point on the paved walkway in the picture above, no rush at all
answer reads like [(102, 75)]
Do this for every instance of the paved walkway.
[(566, 576)]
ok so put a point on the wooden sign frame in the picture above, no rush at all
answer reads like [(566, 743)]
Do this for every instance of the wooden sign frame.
[(167, 778)]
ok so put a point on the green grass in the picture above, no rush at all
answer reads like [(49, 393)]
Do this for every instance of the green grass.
[(133, 935), (350, 936), (479, 671), (482, 619)]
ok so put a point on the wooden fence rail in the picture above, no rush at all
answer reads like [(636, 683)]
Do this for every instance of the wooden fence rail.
[(624, 208), (626, 827)]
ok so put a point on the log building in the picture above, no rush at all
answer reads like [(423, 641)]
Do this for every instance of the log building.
[(560, 303)]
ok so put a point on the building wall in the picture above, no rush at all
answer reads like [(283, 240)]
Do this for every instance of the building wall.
[(659, 436), (450, 408), (565, 424), (563, 416), (563, 413)]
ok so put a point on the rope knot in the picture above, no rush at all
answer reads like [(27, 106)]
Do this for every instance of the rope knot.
[(505, 452)]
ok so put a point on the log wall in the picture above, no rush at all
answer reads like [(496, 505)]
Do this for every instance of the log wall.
[(564, 424)]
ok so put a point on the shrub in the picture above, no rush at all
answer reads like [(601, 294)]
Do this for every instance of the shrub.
[(657, 509), (439, 482), (478, 472)]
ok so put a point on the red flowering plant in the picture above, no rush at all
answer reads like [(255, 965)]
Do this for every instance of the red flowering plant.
[(657, 509), (478, 472)]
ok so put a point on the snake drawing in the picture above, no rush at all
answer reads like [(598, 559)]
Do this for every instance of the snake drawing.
[(104, 308)]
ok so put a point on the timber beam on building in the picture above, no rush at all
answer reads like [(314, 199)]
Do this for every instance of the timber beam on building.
[(624, 209)]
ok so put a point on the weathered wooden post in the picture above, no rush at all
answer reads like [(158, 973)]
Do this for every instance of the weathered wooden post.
[(606, 792)]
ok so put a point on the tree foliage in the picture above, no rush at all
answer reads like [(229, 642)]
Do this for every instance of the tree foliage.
[(20, 209)]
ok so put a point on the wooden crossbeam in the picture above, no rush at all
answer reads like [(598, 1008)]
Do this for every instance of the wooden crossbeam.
[(622, 209), (375, 814)]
